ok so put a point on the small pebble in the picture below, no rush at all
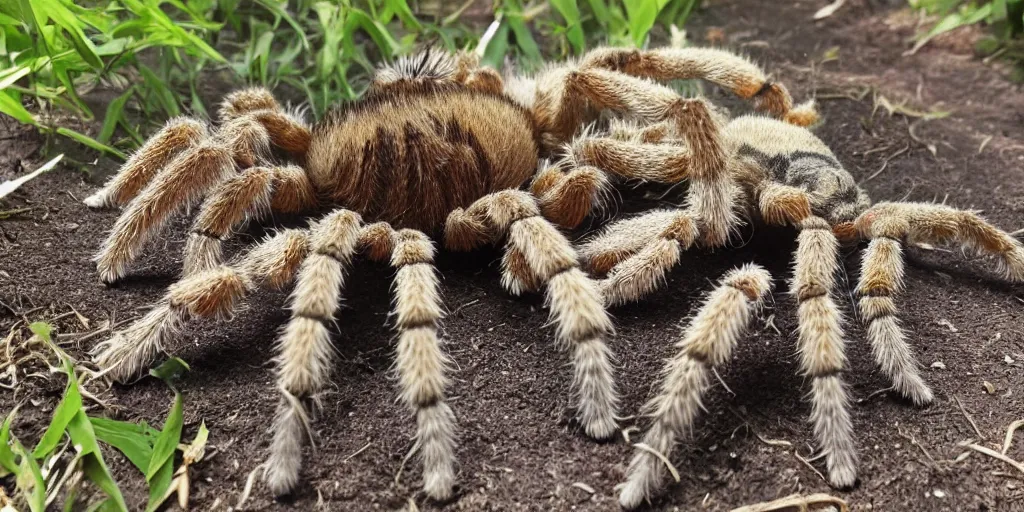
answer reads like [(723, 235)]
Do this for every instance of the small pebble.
[(989, 388), (939, 494), (1008, 360), (939, 365)]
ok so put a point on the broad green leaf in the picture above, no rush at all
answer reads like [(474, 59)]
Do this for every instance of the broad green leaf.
[(30, 479), (7, 462), (497, 47), (275, 7), (134, 440), (13, 108), (67, 20), (159, 485), (401, 8), (114, 113), (525, 39), (62, 415), (167, 441), (12, 75), (601, 13), (641, 14), (571, 12), (95, 469), (170, 369), (43, 330), (90, 142), (965, 16)]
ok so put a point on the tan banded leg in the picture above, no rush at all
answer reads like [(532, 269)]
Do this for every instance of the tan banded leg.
[(304, 349), (567, 197), (642, 273), (179, 134), (575, 301), (239, 199), (881, 279), (940, 224), (822, 348), (887, 225), (702, 162), (721, 67), (707, 343), (421, 361), (214, 293)]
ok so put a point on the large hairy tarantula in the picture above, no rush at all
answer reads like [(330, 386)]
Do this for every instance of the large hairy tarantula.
[(437, 146), (440, 146)]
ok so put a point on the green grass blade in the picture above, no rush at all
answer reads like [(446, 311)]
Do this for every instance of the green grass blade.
[(167, 441), (159, 485), (93, 466), (12, 75), (525, 40), (134, 440), (7, 462), (12, 107), (67, 21), (30, 480), (497, 47), (70, 405), (275, 8), (170, 370), (115, 111), (90, 142), (571, 12), (641, 14), (404, 13)]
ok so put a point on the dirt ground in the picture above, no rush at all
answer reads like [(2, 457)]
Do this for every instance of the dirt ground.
[(519, 449)]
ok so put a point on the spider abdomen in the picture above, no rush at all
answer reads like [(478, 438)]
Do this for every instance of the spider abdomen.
[(411, 157)]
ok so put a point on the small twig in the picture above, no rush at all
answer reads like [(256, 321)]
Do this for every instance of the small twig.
[(671, 469), (809, 466), (413, 450), (722, 382), (797, 502), (251, 479), (1009, 434), (874, 394), (885, 164), (996, 455), (914, 441), (357, 452), (969, 418), (774, 442)]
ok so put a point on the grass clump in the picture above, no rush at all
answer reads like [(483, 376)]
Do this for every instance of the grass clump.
[(1004, 19), (67, 462), (106, 72)]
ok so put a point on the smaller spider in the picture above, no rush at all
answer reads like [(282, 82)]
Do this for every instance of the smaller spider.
[(781, 175)]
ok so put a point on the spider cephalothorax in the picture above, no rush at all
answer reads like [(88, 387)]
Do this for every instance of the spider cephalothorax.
[(437, 146), (781, 175)]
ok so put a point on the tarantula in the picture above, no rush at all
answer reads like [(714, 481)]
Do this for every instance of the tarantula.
[(777, 174), (437, 146)]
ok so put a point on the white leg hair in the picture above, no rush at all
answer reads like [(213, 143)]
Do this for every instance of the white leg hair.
[(239, 199), (421, 361), (304, 348), (707, 342), (213, 293), (822, 347), (177, 135), (577, 309), (643, 272), (881, 278)]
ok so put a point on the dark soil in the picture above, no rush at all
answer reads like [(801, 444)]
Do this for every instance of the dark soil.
[(520, 449)]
